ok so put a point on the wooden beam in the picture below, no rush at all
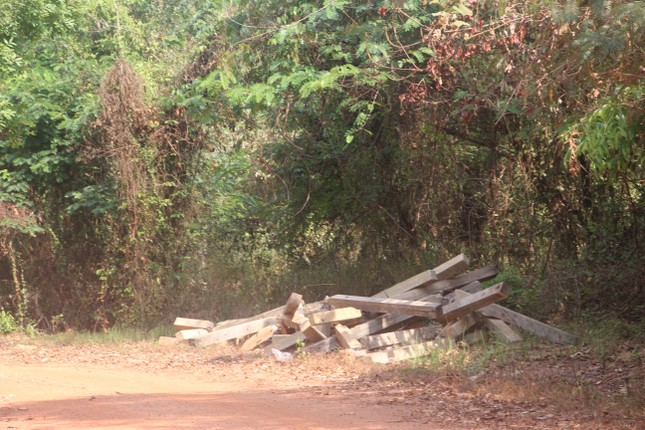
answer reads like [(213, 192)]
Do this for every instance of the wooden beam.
[(294, 302), (258, 338), (443, 271), (219, 335), (311, 332), (393, 306), (335, 315), (346, 338), (380, 323), (189, 323), (323, 346), (288, 341), (415, 335), (405, 352), (525, 323), (190, 333), (452, 267), (499, 327), (458, 327), (462, 307), (481, 275)]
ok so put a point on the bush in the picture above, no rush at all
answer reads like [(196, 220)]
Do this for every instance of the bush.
[(8, 323)]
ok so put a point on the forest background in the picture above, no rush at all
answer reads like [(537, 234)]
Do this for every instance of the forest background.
[(206, 158)]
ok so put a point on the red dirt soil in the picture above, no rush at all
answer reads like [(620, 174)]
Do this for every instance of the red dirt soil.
[(144, 386)]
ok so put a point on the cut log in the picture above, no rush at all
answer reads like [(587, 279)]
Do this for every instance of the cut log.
[(346, 338), (219, 335), (258, 338), (446, 270), (462, 307), (525, 323), (405, 352), (393, 306), (334, 315), (190, 333), (503, 330), (416, 335), (189, 323)]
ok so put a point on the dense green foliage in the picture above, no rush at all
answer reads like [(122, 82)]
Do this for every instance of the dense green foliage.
[(209, 157)]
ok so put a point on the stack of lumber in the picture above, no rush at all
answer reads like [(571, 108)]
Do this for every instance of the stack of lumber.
[(427, 311)]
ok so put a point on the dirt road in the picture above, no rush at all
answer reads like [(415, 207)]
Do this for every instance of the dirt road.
[(145, 386), (89, 394)]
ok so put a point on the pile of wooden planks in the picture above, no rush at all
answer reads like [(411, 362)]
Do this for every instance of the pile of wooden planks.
[(425, 312)]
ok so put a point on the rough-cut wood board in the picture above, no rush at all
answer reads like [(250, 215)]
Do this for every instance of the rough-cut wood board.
[(405, 352), (505, 332), (190, 333), (380, 323), (219, 335), (446, 270), (525, 323), (312, 333), (459, 327), (288, 341), (452, 267), (346, 338), (271, 313), (334, 315), (481, 275), (258, 338), (393, 306), (323, 346), (466, 305), (190, 323), (290, 308), (415, 335)]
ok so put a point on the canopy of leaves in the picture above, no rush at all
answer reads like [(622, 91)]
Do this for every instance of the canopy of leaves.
[(154, 153)]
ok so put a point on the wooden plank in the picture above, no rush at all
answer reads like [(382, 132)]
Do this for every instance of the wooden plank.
[(443, 271), (288, 341), (334, 315), (190, 333), (525, 323), (462, 307), (380, 323), (346, 338), (481, 275), (452, 267), (258, 338), (190, 323), (458, 327), (398, 337), (294, 302), (323, 346), (503, 330), (219, 335), (271, 313), (419, 280), (405, 352), (311, 332), (393, 306)]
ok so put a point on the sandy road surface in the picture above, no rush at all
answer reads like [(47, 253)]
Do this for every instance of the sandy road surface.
[(46, 396)]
